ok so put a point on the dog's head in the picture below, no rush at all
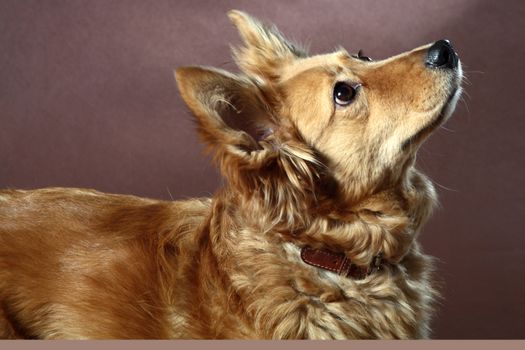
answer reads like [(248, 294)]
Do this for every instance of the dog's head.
[(307, 121)]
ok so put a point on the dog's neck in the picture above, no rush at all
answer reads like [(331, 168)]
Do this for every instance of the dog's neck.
[(385, 223)]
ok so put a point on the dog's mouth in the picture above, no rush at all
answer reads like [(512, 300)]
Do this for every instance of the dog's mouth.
[(443, 115)]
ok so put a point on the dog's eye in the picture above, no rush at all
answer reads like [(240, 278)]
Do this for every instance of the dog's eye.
[(362, 57), (344, 93)]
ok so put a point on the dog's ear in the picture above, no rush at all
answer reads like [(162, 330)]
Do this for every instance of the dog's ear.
[(265, 50), (234, 119), (231, 115)]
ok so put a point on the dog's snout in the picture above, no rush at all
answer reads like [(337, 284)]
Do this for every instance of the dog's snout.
[(442, 55)]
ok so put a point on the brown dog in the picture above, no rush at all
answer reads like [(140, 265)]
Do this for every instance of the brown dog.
[(313, 236)]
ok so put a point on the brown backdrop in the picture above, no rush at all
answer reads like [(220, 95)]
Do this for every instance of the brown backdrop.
[(88, 99)]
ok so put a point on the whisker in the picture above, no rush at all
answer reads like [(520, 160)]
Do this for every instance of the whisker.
[(447, 129), (444, 187), (169, 193), (474, 71), (466, 81), (462, 99)]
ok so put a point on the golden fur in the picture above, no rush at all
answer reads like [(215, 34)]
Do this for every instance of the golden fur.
[(300, 171)]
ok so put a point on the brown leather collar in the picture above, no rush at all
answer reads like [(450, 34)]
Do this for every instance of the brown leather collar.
[(339, 263)]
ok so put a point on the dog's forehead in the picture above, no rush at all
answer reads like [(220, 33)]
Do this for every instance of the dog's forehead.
[(335, 60)]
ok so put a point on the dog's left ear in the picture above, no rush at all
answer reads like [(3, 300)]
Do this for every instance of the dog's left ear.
[(265, 49), (236, 121), (231, 115)]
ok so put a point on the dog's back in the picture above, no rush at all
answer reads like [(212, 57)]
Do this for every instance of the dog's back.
[(87, 257)]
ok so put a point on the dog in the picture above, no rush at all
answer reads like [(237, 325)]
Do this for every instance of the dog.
[(312, 236)]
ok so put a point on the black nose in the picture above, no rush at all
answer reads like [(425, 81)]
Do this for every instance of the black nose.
[(442, 55)]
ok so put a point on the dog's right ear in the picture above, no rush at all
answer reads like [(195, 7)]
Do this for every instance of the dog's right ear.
[(265, 49), (231, 114)]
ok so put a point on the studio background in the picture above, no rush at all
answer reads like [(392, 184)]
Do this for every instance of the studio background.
[(88, 99)]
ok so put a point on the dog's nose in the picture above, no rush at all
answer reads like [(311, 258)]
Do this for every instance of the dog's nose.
[(442, 55)]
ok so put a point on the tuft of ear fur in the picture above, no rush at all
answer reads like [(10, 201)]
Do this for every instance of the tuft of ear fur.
[(265, 50), (229, 112)]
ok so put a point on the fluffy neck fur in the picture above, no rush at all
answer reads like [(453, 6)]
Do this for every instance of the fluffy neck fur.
[(255, 251), (289, 195)]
